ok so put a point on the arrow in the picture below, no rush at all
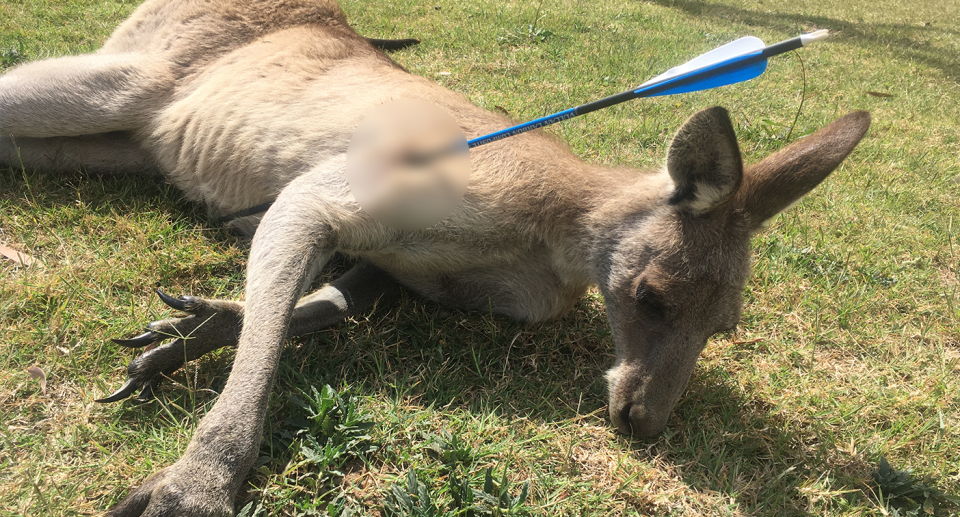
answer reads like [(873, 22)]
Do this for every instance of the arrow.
[(738, 61)]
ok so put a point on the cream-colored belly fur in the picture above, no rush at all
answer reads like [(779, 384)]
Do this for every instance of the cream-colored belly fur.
[(266, 113)]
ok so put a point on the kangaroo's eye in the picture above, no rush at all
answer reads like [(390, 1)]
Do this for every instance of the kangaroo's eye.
[(649, 300)]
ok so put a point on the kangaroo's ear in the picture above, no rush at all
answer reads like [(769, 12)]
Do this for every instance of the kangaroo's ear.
[(704, 162), (784, 177)]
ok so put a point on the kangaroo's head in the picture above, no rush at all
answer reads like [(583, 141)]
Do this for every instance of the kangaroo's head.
[(673, 270)]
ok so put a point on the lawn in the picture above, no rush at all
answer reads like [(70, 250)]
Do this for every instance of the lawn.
[(848, 351)]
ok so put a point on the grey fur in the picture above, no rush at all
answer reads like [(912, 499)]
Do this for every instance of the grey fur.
[(238, 102)]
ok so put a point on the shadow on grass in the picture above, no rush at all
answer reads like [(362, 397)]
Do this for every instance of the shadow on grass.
[(721, 439), (64, 206), (727, 441), (125, 194), (902, 40)]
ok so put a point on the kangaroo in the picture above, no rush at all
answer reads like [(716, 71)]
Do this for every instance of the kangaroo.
[(243, 102)]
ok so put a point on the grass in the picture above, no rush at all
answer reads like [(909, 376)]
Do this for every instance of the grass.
[(848, 351)]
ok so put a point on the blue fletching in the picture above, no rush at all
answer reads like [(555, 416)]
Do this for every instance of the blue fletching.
[(708, 77)]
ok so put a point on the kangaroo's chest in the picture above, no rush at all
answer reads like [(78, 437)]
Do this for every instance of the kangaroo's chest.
[(527, 283)]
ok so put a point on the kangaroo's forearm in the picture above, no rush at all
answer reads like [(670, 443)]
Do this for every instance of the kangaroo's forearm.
[(280, 260)]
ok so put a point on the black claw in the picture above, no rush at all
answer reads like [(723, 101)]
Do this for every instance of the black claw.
[(140, 341), (184, 303), (128, 387), (148, 392)]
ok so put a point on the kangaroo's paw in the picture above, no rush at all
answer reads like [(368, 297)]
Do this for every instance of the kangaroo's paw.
[(175, 490), (209, 325)]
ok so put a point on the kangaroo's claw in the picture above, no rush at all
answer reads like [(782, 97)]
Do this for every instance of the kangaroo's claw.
[(148, 370), (209, 325), (148, 392), (184, 303), (125, 391), (142, 340)]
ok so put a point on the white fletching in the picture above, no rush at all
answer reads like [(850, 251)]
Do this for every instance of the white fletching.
[(734, 48), (813, 37)]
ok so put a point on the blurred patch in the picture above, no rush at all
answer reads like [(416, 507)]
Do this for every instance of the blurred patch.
[(408, 164)]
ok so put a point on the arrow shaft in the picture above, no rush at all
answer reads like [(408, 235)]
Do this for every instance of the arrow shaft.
[(523, 128), (648, 91), (553, 119)]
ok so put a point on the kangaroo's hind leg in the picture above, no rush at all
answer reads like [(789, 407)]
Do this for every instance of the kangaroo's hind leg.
[(83, 95)]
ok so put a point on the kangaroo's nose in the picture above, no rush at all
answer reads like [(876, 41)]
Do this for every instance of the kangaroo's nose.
[(623, 425), (638, 421)]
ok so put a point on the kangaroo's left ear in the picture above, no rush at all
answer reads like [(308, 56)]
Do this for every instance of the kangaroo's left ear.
[(782, 178), (704, 162)]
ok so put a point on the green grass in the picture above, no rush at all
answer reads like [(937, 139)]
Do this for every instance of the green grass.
[(848, 351)]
